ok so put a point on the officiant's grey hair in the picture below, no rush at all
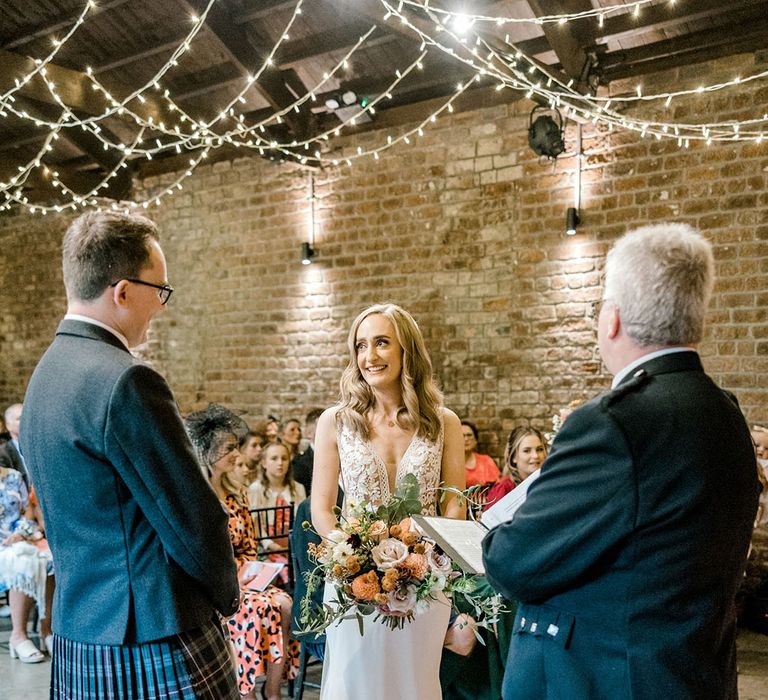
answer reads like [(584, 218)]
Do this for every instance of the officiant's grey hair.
[(661, 279)]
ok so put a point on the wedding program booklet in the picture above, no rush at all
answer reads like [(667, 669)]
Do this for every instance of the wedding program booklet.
[(263, 572), (462, 539)]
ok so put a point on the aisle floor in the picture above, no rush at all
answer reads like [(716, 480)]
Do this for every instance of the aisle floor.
[(30, 681)]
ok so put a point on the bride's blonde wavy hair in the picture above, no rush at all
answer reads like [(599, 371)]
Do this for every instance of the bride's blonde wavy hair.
[(421, 398)]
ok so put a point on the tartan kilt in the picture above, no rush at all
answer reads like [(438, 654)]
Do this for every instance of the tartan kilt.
[(193, 665)]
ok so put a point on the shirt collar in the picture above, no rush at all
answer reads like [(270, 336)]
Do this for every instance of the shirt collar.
[(622, 373), (88, 319)]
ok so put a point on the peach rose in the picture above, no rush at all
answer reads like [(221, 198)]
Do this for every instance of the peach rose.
[(378, 531), (389, 553), (366, 586)]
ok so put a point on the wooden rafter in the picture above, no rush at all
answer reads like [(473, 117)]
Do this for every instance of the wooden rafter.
[(91, 146), (247, 56), (692, 48), (59, 23), (569, 40), (74, 87)]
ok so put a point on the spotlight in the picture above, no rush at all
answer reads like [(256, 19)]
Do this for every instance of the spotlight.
[(332, 103), (307, 253), (349, 98), (545, 135), (572, 220)]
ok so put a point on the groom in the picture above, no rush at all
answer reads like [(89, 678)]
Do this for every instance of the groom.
[(628, 552), (140, 544)]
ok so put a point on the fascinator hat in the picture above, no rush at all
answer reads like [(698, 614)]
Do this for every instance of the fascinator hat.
[(207, 428)]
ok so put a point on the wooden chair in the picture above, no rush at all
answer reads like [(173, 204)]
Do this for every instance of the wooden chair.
[(274, 523)]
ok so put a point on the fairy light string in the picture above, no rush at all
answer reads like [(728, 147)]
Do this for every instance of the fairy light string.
[(585, 106), (508, 67)]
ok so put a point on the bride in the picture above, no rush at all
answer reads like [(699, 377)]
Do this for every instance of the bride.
[(389, 422)]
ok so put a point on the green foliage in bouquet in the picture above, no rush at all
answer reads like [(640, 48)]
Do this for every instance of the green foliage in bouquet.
[(381, 564)]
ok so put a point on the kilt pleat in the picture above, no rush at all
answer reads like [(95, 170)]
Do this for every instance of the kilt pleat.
[(192, 665)]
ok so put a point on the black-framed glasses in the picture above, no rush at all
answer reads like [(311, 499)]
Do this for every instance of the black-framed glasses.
[(164, 291)]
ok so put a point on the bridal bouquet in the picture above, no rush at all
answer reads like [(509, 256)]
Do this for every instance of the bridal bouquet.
[(381, 564)]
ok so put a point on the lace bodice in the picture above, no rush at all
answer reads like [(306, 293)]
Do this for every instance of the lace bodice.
[(364, 474)]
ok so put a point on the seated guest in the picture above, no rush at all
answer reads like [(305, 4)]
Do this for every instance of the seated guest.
[(26, 567), (272, 428), (275, 488), (290, 436), (480, 469), (260, 629), (303, 463), (526, 450), (760, 438), (251, 448)]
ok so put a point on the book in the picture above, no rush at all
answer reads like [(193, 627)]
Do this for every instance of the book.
[(262, 573), (461, 540), (503, 511)]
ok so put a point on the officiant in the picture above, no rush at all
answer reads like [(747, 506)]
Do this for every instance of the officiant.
[(627, 554)]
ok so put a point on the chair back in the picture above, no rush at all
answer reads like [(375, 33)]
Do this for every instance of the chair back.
[(275, 523)]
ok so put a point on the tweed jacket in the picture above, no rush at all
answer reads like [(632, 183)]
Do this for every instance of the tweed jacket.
[(139, 539)]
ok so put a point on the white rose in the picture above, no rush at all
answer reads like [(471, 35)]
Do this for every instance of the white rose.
[(389, 553), (439, 563), (402, 599)]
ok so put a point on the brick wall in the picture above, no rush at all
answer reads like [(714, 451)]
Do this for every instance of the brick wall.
[(464, 227)]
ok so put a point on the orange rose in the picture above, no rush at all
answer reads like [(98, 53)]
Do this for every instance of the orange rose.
[(366, 586)]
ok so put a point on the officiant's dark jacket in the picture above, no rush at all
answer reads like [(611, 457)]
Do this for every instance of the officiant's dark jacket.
[(139, 540), (628, 552)]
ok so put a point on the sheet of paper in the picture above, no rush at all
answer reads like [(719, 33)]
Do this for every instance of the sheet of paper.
[(504, 510), (264, 572), (460, 539)]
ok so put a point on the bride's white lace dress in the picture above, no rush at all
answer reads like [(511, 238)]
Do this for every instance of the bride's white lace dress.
[(384, 663)]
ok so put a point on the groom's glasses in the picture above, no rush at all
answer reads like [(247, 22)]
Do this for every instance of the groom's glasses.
[(164, 291)]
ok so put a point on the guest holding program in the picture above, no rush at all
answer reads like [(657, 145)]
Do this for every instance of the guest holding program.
[(628, 552), (139, 540)]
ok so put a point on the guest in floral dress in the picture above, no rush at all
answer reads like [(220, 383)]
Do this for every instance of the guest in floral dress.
[(26, 568), (260, 629)]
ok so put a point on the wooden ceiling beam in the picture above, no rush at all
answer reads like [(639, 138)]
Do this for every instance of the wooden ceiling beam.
[(747, 43), (61, 22), (240, 47), (140, 54), (265, 7), (89, 144), (665, 16), (341, 38), (617, 63), (74, 88), (570, 40)]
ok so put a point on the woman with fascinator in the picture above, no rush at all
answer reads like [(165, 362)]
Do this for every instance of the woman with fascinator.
[(260, 628)]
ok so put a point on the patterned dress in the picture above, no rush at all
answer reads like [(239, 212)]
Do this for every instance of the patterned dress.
[(256, 628)]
